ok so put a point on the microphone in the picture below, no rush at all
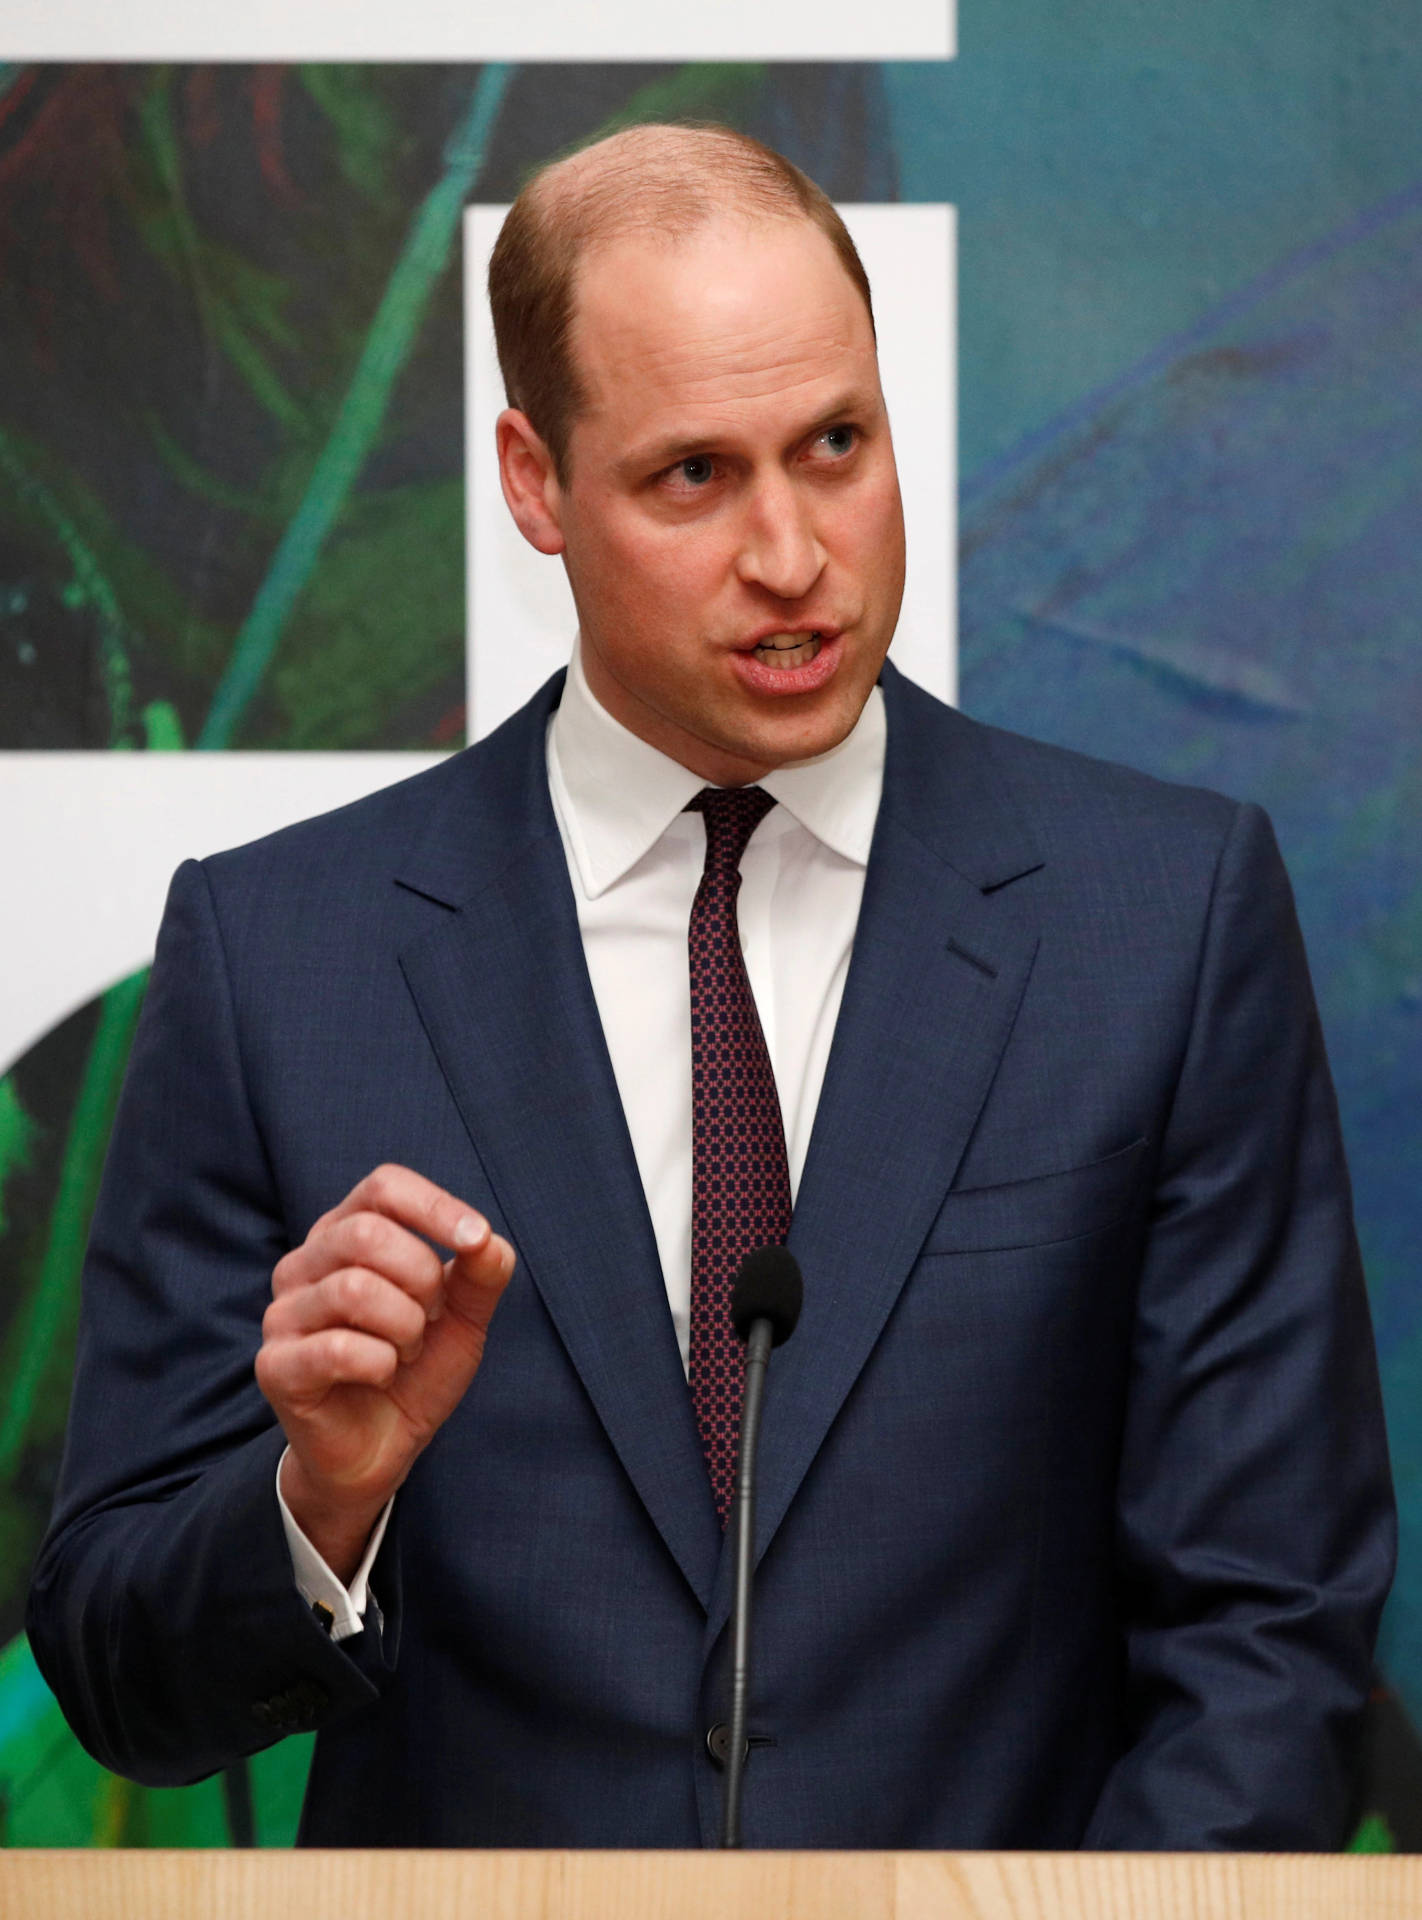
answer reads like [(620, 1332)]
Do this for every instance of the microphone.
[(765, 1305), (768, 1286)]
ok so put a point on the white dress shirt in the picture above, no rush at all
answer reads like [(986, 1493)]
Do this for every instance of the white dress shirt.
[(635, 858)]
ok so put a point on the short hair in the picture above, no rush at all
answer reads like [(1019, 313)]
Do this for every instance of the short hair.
[(663, 180)]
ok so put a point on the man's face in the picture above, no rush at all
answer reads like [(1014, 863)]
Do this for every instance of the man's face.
[(731, 526)]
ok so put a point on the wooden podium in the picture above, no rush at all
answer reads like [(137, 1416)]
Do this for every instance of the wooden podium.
[(143, 1885)]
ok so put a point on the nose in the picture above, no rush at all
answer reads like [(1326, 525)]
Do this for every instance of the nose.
[(780, 548)]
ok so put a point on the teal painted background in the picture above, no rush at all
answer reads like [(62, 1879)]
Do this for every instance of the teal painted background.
[(1191, 533)]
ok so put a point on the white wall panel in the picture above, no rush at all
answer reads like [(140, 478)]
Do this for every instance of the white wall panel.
[(521, 619), (477, 30), (91, 840)]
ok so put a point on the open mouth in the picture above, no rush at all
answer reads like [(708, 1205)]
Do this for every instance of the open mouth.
[(783, 650)]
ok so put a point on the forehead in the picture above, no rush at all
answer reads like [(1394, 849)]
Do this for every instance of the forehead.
[(737, 316)]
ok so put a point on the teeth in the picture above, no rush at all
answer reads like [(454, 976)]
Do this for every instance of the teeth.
[(788, 650)]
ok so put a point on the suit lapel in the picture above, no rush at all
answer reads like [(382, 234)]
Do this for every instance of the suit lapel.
[(530, 1073), (941, 957)]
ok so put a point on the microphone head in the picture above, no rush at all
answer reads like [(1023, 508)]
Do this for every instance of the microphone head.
[(768, 1287)]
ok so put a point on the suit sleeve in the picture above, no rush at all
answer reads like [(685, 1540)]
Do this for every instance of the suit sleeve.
[(163, 1611), (1256, 1530)]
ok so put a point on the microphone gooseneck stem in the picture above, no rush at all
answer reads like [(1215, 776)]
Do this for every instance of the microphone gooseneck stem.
[(743, 1519)]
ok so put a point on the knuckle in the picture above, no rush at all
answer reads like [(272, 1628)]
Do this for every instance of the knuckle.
[(322, 1229), (269, 1374), (354, 1288), (364, 1234), (286, 1274), (382, 1182)]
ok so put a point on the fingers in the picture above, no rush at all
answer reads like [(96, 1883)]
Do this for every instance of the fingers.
[(365, 1266), (355, 1297), (377, 1225), (366, 1241), (293, 1373), (367, 1303), (400, 1194)]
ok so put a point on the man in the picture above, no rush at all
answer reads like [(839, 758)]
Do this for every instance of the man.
[(1075, 1518)]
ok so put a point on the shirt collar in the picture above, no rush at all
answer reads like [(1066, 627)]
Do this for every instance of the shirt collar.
[(836, 795), (616, 795)]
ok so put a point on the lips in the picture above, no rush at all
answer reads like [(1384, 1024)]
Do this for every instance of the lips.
[(782, 651), (788, 663), (787, 644)]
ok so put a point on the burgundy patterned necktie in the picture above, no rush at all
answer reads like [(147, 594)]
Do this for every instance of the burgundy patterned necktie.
[(740, 1179)]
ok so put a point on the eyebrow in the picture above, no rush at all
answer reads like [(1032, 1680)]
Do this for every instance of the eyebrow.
[(658, 454)]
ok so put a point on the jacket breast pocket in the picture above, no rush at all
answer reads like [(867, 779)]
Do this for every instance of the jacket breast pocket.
[(1032, 1213)]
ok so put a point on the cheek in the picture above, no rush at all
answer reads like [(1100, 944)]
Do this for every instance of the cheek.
[(876, 525), (669, 573), (874, 556)]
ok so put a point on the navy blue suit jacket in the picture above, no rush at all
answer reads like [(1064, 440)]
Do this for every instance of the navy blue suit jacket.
[(1075, 1519)]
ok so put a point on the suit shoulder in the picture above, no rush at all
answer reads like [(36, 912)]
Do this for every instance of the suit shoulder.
[(463, 816), (1108, 829), (366, 832), (1051, 777), (997, 804), (1054, 789)]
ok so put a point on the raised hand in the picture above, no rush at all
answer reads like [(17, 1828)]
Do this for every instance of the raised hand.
[(369, 1344)]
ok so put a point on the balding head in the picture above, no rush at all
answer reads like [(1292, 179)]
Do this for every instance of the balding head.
[(661, 183)]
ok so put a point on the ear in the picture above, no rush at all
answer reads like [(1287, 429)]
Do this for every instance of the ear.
[(530, 484)]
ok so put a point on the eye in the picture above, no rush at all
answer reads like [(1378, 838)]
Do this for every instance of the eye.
[(698, 470), (838, 441)]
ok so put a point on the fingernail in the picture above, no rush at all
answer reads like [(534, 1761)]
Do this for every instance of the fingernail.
[(469, 1231), (436, 1308)]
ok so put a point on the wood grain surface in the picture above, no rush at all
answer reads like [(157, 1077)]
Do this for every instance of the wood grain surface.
[(144, 1885)]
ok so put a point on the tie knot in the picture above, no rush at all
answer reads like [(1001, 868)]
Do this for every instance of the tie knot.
[(732, 815)]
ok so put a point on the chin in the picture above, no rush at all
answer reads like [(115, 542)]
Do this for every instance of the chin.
[(788, 750)]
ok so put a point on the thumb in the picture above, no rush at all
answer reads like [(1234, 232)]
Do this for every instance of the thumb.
[(431, 1387), (474, 1281)]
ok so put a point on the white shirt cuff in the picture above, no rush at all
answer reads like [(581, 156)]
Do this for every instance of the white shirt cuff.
[(316, 1583)]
